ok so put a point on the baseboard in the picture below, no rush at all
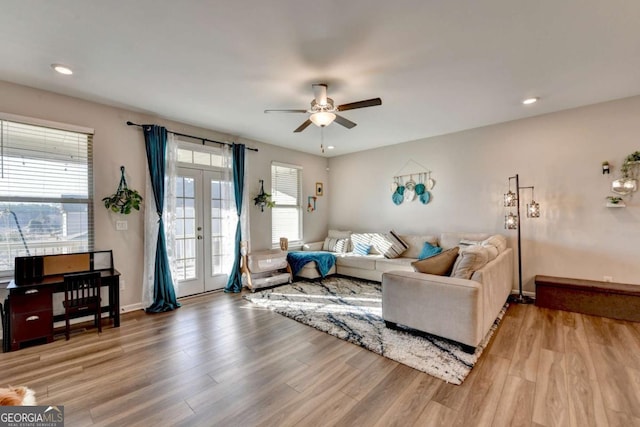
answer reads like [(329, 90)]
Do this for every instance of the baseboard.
[(525, 293), (131, 307)]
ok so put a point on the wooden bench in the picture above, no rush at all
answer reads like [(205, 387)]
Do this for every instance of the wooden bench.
[(606, 299)]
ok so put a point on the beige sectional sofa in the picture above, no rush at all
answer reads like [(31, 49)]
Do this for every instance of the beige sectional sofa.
[(459, 309)]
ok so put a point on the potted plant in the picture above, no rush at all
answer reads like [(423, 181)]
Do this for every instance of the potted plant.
[(124, 200), (263, 199), (614, 200)]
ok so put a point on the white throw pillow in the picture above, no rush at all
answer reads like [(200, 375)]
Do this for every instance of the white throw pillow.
[(335, 245), (470, 259)]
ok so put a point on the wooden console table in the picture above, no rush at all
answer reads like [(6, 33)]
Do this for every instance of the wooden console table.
[(29, 307)]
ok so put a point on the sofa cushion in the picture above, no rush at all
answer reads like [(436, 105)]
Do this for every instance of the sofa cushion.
[(416, 243), (429, 250), (449, 240), (470, 259), (440, 264), (333, 244), (365, 262), (498, 241), (404, 264), (338, 234)]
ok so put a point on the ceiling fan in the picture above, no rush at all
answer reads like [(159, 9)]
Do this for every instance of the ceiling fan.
[(323, 111)]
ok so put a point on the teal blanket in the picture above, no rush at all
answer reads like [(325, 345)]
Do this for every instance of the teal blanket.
[(324, 261)]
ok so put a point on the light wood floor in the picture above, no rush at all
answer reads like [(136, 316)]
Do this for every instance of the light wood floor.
[(220, 361)]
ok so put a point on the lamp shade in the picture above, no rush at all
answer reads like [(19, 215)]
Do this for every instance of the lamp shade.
[(533, 209), (511, 221), (322, 118), (510, 199)]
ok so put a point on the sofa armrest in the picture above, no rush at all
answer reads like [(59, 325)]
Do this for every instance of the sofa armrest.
[(312, 246), (445, 306)]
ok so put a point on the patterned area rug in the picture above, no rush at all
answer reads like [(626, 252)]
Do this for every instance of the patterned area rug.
[(351, 309)]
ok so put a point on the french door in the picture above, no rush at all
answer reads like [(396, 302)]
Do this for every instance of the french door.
[(199, 230)]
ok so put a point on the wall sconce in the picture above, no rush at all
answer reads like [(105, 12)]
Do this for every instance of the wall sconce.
[(512, 221), (605, 167)]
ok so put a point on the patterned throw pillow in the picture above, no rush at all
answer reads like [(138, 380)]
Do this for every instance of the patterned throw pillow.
[(361, 249), (335, 245), (429, 250), (440, 264), (390, 245)]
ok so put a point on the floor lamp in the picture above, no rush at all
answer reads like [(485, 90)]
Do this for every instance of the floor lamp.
[(512, 222)]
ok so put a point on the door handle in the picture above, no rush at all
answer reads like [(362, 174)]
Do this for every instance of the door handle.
[(199, 237), (199, 228)]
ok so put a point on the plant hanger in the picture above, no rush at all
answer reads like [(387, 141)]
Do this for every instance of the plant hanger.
[(124, 199)]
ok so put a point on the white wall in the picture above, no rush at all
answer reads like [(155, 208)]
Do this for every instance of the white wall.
[(560, 154), (117, 144)]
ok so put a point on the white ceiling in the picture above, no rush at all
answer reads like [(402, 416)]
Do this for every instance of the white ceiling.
[(439, 66)]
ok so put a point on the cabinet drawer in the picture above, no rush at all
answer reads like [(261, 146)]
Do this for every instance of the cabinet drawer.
[(29, 300), (29, 326)]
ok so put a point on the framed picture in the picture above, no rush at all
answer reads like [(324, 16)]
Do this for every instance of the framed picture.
[(319, 189)]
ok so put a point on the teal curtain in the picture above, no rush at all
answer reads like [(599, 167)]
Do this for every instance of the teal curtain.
[(235, 277), (164, 295)]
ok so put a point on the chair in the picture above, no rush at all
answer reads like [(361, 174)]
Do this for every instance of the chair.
[(82, 296)]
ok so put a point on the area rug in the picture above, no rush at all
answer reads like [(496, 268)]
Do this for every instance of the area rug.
[(351, 309)]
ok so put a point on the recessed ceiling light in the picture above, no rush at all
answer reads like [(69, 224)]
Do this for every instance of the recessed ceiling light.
[(62, 69), (530, 101), (331, 147)]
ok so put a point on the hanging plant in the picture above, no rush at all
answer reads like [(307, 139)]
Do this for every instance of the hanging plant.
[(124, 199), (263, 199)]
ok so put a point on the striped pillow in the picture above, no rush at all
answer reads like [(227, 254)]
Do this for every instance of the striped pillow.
[(335, 245), (390, 245)]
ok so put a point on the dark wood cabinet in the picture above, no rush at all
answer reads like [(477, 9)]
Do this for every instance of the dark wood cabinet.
[(31, 315)]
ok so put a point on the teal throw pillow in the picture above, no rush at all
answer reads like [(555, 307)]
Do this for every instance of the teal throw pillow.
[(428, 250), (361, 249)]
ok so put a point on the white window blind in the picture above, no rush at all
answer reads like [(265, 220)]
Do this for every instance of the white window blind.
[(286, 217), (46, 191)]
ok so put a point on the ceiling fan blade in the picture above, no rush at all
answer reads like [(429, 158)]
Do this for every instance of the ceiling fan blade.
[(320, 93), (360, 104), (303, 126), (344, 122), (285, 111)]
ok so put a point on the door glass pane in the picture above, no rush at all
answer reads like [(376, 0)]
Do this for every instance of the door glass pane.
[(185, 228)]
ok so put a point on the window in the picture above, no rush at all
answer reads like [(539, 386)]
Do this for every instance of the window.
[(286, 219), (46, 189)]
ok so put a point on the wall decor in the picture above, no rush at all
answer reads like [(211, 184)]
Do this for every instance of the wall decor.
[(412, 186), (263, 199), (319, 189), (311, 207), (124, 199)]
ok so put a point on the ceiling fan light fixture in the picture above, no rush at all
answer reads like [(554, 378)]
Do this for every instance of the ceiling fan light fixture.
[(322, 119)]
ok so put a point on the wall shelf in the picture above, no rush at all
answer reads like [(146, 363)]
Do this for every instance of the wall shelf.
[(615, 205)]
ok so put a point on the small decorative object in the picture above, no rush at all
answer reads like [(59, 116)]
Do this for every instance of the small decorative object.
[(124, 199), (310, 207), (614, 200), (284, 244), (605, 167), (263, 199), (319, 189)]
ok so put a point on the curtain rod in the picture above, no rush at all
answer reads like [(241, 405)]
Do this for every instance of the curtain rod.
[(195, 137)]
